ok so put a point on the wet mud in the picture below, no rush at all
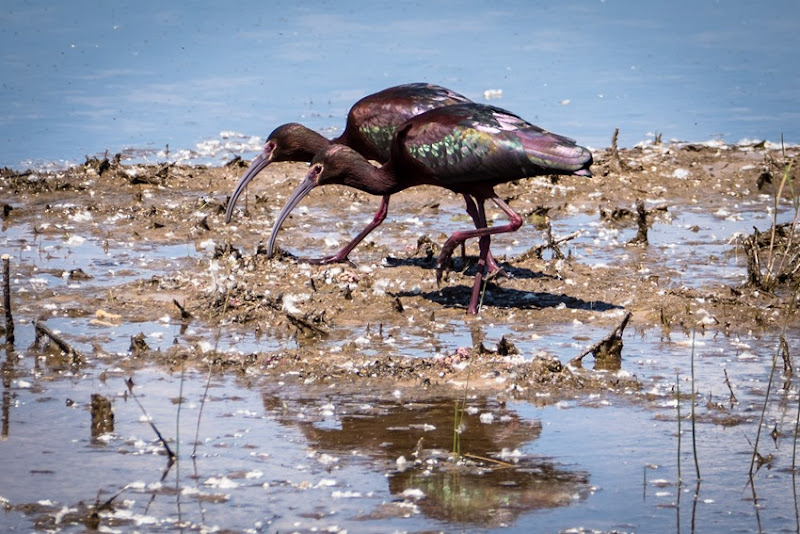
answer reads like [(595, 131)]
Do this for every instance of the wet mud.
[(228, 282), (665, 240)]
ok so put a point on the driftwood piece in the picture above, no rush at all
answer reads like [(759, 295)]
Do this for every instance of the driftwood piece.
[(43, 331), (607, 351)]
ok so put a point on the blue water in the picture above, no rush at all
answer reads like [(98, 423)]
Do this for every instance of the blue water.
[(87, 76)]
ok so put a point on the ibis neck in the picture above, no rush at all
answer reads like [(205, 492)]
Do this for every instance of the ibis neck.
[(374, 180)]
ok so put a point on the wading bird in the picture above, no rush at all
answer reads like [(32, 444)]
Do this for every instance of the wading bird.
[(371, 123), (466, 148)]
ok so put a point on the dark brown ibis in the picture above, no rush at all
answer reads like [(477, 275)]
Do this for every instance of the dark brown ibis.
[(371, 123), (466, 148)]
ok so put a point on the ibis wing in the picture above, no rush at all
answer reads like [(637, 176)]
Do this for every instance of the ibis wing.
[(376, 117), (474, 143)]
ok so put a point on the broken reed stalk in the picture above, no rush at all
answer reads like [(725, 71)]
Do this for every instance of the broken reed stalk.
[(208, 386), (163, 441), (200, 412), (483, 291), (460, 408), (796, 430), (178, 430), (694, 432), (732, 399), (694, 505), (458, 414), (794, 465), (776, 202), (678, 406), (796, 205), (755, 454), (616, 163), (500, 463), (7, 299)]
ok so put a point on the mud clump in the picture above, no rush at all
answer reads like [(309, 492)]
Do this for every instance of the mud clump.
[(102, 415)]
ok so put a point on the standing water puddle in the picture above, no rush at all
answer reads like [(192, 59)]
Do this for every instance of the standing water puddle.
[(270, 462)]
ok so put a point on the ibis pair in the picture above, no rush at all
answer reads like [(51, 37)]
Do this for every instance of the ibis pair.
[(423, 135)]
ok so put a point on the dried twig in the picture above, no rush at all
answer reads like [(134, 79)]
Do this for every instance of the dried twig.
[(536, 252), (303, 324)]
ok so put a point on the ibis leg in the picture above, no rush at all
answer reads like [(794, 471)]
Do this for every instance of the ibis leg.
[(515, 221), (480, 222), (341, 256)]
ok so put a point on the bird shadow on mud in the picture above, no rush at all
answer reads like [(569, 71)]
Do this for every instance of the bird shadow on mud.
[(467, 267), (500, 297)]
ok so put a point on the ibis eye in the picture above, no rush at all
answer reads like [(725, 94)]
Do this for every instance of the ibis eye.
[(315, 171)]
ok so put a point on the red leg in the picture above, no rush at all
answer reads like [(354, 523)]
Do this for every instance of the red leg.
[(341, 256), (480, 222), (483, 244), (459, 237)]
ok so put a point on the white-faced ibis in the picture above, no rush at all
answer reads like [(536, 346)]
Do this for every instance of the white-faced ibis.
[(371, 123), (466, 148)]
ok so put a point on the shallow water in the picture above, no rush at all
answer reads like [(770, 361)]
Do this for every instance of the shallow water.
[(272, 460), (202, 82), (332, 463)]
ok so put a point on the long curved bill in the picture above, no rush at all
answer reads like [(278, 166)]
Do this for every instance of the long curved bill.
[(256, 166), (308, 183)]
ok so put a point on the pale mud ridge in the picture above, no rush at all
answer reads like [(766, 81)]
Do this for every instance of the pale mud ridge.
[(340, 324)]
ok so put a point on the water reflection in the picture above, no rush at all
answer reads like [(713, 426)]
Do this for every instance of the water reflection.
[(7, 371), (492, 483)]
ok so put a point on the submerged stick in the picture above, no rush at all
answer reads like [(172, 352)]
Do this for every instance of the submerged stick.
[(42, 330), (7, 299)]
